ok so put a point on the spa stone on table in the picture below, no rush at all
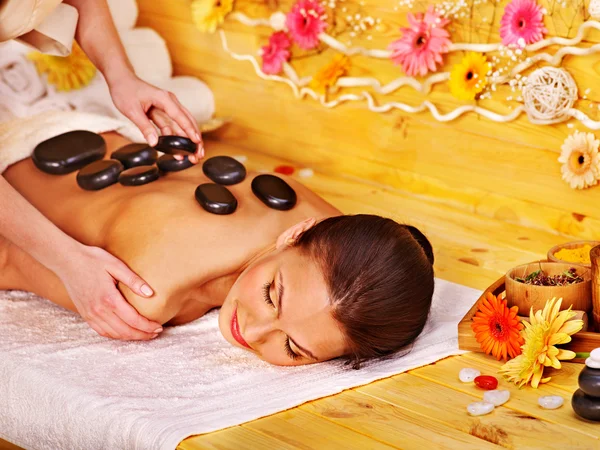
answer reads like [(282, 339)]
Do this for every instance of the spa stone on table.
[(138, 176), (589, 382), (586, 406), (99, 174), (68, 152), (480, 408), (216, 199), (468, 374), (551, 401), (224, 170), (175, 145), (168, 163), (134, 155), (274, 192), (497, 397)]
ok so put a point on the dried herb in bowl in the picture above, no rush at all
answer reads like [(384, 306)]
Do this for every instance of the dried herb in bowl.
[(539, 278)]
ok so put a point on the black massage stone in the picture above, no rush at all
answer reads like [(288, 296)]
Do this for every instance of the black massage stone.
[(586, 406), (274, 192), (589, 381), (136, 176), (175, 145), (168, 163), (68, 152), (99, 174), (224, 170), (134, 155), (216, 199)]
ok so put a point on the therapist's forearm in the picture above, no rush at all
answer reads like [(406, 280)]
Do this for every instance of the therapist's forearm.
[(99, 39), (26, 227)]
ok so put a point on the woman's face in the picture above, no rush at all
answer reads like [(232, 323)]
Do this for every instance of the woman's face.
[(279, 309)]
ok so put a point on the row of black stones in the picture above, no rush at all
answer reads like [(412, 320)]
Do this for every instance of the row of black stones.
[(133, 165), (586, 400)]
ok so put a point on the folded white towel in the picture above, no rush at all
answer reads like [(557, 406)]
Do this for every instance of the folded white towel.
[(63, 386)]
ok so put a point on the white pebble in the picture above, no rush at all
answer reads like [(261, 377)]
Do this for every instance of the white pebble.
[(497, 397), (551, 401), (480, 408), (241, 158), (467, 374), (306, 173), (595, 354), (592, 363)]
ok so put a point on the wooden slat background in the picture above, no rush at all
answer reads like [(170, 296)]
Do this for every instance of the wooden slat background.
[(488, 195), (508, 172)]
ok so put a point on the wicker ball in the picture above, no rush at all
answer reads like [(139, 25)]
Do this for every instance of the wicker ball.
[(594, 9), (549, 94)]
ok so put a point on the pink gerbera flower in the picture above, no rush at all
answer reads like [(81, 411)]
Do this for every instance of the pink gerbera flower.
[(276, 53), (305, 22), (522, 19), (421, 46)]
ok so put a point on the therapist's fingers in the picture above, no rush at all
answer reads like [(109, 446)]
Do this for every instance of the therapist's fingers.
[(167, 126), (139, 118), (170, 105), (200, 150)]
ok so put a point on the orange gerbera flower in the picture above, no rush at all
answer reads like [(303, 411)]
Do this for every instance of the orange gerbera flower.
[(497, 328)]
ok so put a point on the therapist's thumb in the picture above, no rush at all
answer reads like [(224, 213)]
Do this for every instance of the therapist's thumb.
[(141, 121)]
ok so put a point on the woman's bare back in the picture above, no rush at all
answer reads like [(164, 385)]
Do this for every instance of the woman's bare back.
[(189, 256)]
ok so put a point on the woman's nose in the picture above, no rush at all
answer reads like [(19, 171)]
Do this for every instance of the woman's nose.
[(257, 329)]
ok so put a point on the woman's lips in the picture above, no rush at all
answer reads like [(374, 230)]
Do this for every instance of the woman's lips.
[(235, 330)]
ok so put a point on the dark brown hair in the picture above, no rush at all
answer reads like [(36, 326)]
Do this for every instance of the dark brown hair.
[(380, 279)]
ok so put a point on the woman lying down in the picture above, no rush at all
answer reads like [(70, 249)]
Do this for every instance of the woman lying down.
[(295, 287)]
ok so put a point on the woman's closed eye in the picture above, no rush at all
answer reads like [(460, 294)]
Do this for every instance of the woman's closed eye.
[(267, 296)]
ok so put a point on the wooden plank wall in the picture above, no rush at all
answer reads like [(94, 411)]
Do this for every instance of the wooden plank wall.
[(508, 172)]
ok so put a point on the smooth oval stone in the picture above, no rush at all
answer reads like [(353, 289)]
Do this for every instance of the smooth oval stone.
[(175, 145), (467, 374), (68, 152), (99, 174), (480, 408), (486, 382), (497, 396), (589, 381), (586, 406), (551, 401), (592, 363), (134, 155), (224, 170), (274, 192), (595, 354), (216, 199), (168, 163), (137, 176)]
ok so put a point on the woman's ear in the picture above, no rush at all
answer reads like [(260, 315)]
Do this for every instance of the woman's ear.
[(291, 235)]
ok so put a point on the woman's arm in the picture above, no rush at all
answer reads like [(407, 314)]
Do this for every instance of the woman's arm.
[(98, 37), (88, 273)]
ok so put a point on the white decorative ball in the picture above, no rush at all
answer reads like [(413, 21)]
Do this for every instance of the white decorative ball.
[(277, 21), (594, 8), (549, 94)]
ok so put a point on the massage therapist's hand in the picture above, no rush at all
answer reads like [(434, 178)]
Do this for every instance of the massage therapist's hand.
[(142, 102), (90, 277)]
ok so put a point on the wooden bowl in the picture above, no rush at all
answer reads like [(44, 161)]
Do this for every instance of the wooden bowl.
[(570, 245), (526, 296)]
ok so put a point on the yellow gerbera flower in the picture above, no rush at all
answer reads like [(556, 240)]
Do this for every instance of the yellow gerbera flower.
[(329, 74), (469, 77), (209, 14), (547, 329), (66, 73)]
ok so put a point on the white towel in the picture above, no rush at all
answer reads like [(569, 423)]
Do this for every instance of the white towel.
[(19, 137), (62, 386)]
